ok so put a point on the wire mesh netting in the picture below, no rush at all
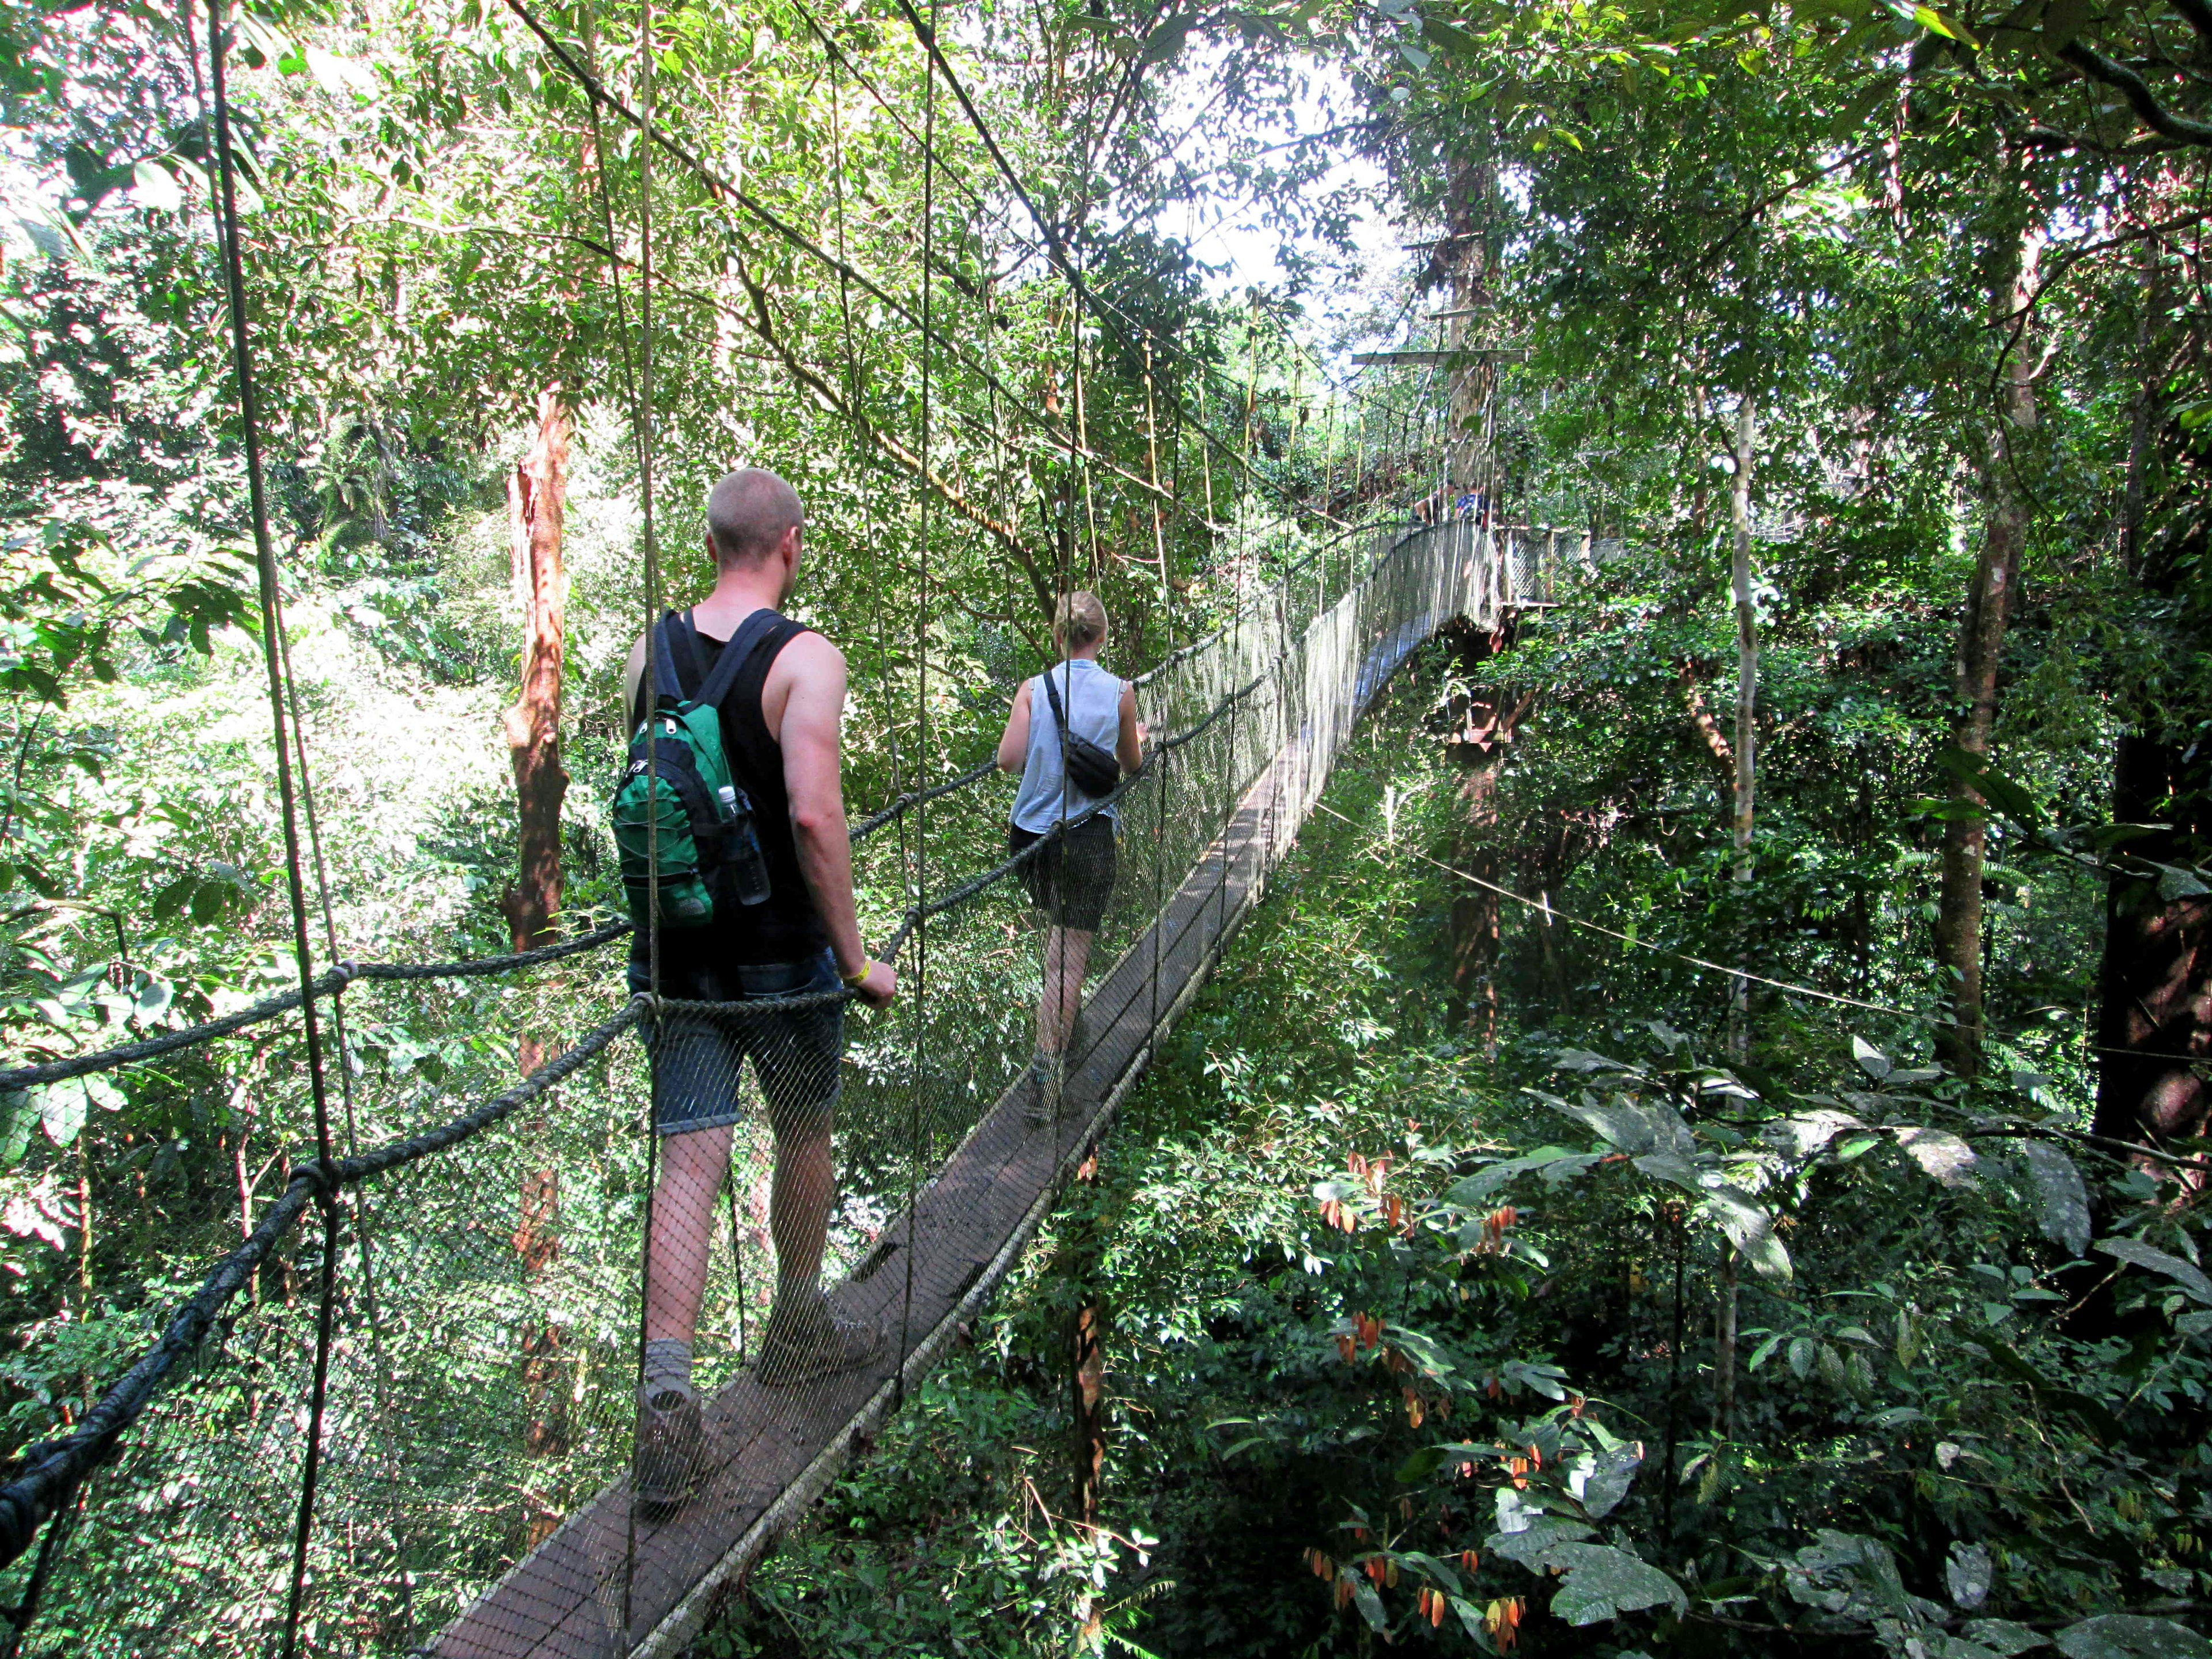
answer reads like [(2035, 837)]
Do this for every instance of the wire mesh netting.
[(487, 1479)]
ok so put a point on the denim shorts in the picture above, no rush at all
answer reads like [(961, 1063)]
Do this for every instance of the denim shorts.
[(698, 1054)]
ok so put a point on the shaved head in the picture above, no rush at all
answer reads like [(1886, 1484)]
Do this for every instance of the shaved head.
[(747, 514)]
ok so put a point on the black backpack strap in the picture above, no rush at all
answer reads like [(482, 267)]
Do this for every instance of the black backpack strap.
[(664, 662), (748, 634), (695, 660)]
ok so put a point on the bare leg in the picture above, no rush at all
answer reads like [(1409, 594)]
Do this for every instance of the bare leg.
[(1067, 957), (692, 1165), (799, 1214)]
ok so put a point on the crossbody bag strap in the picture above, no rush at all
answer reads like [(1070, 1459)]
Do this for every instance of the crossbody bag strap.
[(1059, 714)]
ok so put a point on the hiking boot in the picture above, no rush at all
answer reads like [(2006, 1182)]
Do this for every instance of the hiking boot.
[(672, 1444), (819, 1344)]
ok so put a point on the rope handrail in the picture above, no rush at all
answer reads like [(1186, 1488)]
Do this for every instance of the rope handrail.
[(330, 981), (52, 1469)]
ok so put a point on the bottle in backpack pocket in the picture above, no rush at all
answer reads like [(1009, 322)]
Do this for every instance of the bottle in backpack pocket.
[(741, 848)]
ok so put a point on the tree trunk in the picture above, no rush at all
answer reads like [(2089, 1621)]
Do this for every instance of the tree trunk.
[(2155, 988), (1466, 259), (1486, 727), (535, 492), (1724, 1343), (1981, 643), (1746, 702), (2154, 1015), (1087, 1357)]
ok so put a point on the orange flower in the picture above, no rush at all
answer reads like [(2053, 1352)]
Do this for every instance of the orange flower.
[(1503, 1621), (1414, 1407), (1469, 1560)]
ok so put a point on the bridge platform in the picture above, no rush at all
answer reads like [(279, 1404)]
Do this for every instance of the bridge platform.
[(607, 1583)]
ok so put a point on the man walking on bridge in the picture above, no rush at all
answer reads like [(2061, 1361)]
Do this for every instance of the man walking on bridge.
[(780, 721)]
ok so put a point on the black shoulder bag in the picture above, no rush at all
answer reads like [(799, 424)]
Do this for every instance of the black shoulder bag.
[(1089, 767)]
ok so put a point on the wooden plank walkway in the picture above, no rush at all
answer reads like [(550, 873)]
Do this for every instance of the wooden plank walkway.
[(597, 1589)]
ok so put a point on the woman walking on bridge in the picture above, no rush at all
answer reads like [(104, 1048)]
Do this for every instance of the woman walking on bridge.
[(1070, 759)]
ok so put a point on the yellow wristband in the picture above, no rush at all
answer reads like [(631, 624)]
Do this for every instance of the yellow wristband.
[(853, 982)]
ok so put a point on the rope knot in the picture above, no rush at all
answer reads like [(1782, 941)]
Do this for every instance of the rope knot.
[(320, 1175)]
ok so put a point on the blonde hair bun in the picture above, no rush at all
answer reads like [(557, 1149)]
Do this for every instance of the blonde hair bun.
[(1078, 620)]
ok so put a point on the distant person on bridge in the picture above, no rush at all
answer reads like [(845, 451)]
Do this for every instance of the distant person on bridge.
[(780, 721), (1070, 727)]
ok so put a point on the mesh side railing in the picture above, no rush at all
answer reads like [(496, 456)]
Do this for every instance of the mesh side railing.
[(482, 1405)]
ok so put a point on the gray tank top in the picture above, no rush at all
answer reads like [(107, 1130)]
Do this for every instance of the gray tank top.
[(1091, 698)]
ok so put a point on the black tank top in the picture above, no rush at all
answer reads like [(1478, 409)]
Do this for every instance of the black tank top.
[(785, 928)]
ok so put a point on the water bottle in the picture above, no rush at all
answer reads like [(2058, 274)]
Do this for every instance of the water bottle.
[(741, 848)]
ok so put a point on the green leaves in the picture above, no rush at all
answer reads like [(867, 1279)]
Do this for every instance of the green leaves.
[(1167, 38), (1450, 37), (2063, 1210), (204, 895), (1604, 1583), (1976, 773), (1601, 1582), (1941, 1153), (1557, 1163), (2191, 1278), (62, 1107), (1751, 1229), (2128, 1636), (1634, 1127)]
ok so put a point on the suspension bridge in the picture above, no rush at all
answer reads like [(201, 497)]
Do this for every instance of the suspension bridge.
[(398, 1416), (447, 1520)]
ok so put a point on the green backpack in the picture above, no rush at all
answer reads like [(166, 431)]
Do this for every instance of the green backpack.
[(678, 790)]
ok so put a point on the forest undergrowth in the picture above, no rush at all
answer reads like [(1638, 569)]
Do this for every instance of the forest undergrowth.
[(1578, 1344)]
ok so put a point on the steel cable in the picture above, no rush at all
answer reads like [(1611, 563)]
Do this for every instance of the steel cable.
[(266, 561)]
